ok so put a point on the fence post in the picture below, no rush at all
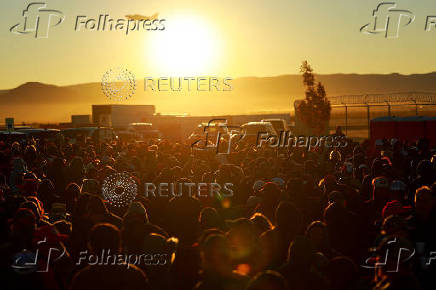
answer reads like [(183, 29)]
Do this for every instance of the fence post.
[(346, 119), (368, 116), (416, 106), (389, 108)]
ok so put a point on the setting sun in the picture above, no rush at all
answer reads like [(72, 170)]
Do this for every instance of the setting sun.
[(187, 46)]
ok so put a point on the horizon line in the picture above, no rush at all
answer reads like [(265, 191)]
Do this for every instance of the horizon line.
[(241, 77)]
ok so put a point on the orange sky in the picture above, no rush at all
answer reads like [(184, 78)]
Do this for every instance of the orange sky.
[(223, 38)]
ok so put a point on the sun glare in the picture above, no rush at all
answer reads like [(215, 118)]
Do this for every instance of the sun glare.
[(187, 47)]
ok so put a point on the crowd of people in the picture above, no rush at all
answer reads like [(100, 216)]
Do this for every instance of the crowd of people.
[(348, 218)]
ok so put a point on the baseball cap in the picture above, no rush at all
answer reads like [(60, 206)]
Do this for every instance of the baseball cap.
[(258, 185), (395, 208), (277, 180), (398, 185)]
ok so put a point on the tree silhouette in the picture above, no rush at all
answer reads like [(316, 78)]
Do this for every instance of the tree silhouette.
[(314, 111)]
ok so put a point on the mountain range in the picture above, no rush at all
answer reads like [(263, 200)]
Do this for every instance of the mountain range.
[(39, 102)]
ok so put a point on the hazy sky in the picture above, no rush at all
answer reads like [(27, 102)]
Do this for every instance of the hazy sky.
[(221, 37)]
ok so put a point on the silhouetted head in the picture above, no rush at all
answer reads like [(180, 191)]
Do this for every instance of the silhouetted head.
[(261, 223), (104, 236), (268, 280), (216, 255), (317, 233), (424, 168), (71, 195), (342, 272), (209, 218), (425, 201), (288, 218), (301, 252), (96, 205), (46, 193)]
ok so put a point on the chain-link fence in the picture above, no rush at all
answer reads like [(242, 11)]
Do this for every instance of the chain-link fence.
[(353, 113)]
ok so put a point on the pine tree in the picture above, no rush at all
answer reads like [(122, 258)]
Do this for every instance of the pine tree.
[(315, 110)]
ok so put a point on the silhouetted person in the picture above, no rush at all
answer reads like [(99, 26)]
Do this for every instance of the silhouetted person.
[(118, 275), (217, 266)]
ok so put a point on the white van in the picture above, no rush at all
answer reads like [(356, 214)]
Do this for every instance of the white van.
[(251, 130)]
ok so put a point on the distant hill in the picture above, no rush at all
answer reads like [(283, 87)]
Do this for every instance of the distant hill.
[(40, 102)]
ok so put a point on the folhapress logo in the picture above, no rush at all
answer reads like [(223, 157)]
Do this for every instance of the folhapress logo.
[(388, 20), (38, 20)]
